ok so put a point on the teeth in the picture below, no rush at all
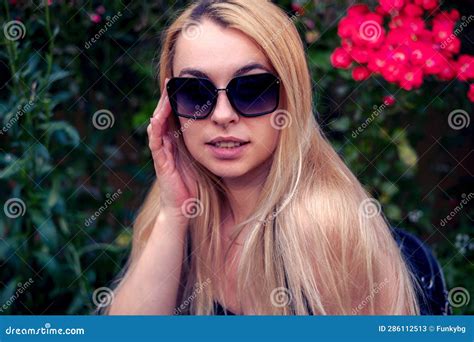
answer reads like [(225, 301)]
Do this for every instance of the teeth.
[(226, 144)]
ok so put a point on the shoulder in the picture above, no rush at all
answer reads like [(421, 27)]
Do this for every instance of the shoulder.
[(420, 259)]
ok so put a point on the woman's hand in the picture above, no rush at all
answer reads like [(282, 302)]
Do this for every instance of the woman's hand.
[(178, 188)]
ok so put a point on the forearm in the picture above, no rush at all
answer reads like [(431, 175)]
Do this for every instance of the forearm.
[(151, 286)]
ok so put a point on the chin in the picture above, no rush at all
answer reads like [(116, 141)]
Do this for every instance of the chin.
[(226, 169)]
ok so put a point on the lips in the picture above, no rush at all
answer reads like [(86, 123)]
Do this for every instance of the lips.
[(227, 142)]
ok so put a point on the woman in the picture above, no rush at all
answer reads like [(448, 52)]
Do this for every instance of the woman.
[(275, 224)]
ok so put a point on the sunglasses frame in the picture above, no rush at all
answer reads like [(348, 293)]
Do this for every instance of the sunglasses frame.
[(216, 91)]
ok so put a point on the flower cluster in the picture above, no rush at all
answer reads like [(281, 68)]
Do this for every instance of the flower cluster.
[(395, 41)]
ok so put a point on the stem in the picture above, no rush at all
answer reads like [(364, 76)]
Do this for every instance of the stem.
[(11, 48)]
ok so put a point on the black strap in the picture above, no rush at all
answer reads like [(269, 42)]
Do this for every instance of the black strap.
[(433, 299)]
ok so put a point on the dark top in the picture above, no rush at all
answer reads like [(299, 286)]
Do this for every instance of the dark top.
[(434, 297)]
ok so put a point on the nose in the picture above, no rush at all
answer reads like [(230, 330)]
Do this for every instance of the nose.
[(223, 113)]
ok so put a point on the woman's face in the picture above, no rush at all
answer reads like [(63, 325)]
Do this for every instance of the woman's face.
[(218, 54)]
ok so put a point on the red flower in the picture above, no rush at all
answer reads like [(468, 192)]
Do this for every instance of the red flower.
[(393, 71), (297, 8), (433, 63), (411, 48), (465, 67), (411, 79), (452, 46), (448, 70), (442, 30), (413, 10), (389, 100), (470, 93), (378, 60), (340, 58), (95, 18), (427, 4), (390, 6), (420, 52), (360, 73), (100, 9), (357, 9), (346, 26), (360, 55)]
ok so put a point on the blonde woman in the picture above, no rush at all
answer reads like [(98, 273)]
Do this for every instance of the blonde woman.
[(252, 211)]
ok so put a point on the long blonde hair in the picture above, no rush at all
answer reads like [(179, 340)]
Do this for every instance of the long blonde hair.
[(316, 236)]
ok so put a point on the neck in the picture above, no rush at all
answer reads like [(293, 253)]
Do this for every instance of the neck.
[(244, 192)]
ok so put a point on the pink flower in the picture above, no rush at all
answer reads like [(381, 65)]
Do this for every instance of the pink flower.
[(340, 58), (411, 79), (360, 73), (357, 10), (390, 6), (465, 67), (95, 18), (389, 100), (427, 4), (470, 93), (448, 71), (100, 10), (413, 10)]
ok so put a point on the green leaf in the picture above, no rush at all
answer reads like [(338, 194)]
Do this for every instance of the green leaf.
[(407, 154), (7, 294), (45, 227), (341, 124), (13, 168), (62, 127), (393, 212), (58, 75)]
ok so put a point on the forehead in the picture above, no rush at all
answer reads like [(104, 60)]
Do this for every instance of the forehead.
[(216, 51)]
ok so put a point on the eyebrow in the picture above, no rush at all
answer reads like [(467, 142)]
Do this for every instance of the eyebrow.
[(243, 70)]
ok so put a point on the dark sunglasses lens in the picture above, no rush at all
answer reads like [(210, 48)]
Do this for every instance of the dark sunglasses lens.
[(191, 97), (255, 94)]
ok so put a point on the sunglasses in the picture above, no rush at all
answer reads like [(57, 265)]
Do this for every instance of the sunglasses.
[(249, 95)]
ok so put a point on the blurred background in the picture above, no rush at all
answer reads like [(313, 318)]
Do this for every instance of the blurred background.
[(77, 88)]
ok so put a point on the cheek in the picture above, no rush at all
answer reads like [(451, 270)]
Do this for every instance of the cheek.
[(266, 142)]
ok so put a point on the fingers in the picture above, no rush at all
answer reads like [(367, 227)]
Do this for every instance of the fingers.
[(162, 111), (159, 143)]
